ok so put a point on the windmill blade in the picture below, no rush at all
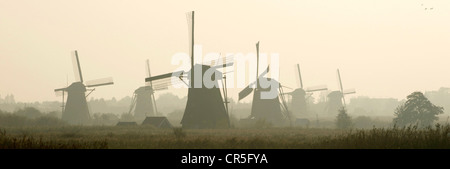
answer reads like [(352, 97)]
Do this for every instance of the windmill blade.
[(149, 74), (100, 82), (349, 91), (339, 81), (257, 63), (190, 21), (164, 76), (223, 65), (89, 93), (166, 83), (343, 100), (76, 67), (147, 66), (161, 81), (299, 76), (245, 92), (265, 72), (316, 88)]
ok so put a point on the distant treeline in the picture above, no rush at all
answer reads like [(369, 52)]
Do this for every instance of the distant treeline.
[(172, 106), (29, 116)]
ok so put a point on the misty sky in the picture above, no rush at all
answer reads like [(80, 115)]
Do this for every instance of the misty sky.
[(383, 48)]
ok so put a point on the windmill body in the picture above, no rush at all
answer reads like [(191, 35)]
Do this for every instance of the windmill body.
[(205, 106), (144, 103), (266, 109), (334, 102), (298, 103), (76, 110)]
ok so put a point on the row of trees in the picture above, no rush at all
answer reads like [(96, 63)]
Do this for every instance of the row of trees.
[(29, 116)]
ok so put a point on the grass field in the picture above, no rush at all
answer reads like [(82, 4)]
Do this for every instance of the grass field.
[(147, 137)]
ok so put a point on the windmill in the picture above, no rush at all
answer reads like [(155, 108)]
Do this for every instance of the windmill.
[(336, 99), (205, 107), (271, 110), (76, 110), (143, 101), (300, 95)]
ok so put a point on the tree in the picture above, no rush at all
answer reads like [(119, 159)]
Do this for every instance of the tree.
[(343, 120), (417, 110)]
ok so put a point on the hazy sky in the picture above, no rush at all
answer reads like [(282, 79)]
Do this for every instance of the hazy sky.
[(383, 48)]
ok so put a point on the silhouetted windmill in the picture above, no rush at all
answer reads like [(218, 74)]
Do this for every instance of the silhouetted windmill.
[(143, 101), (300, 95), (205, 107), (76, 110), (263, 108), (336, 98)]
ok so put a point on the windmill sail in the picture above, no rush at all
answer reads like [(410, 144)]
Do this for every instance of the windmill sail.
[(147, 67), (77, 67), (257, 63), (341, 88), (316, 88), (247, 90), (100, 82), (164, 76), (339, 81), (349, 91), (299, 76), (148, 73), (190, 23)]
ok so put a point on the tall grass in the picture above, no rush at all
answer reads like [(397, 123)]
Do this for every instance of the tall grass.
[(29, 142), (146, 137), (411, 137)]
